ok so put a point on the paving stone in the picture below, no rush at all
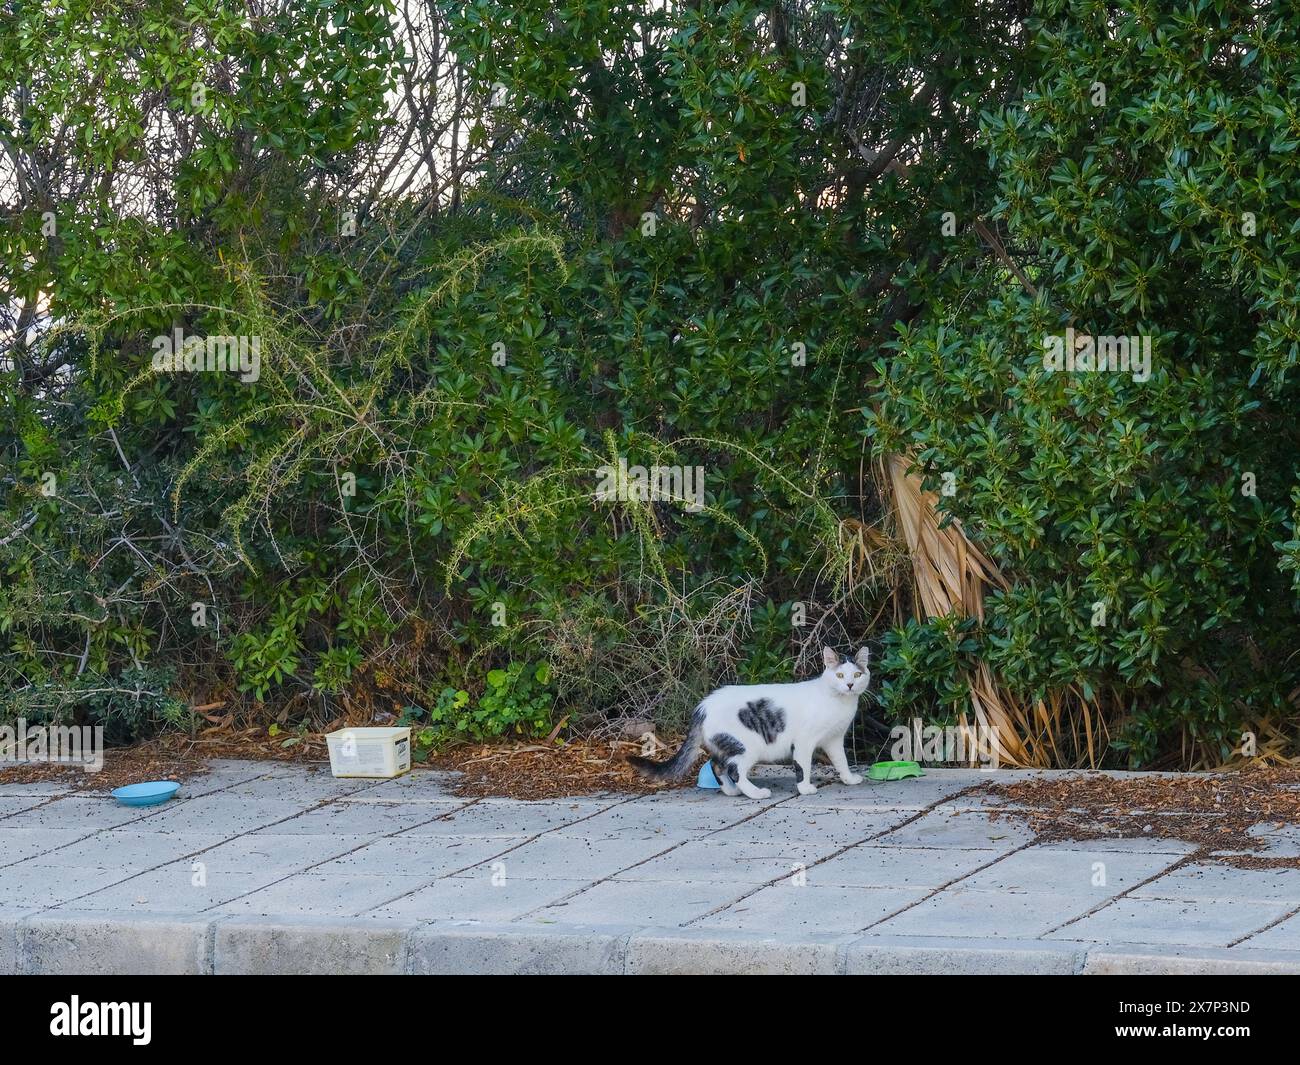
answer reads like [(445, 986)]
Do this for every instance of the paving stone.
[(811, 908), (14, 804), (647, 903), (320, 895), (477, 898), (32, 883), (912, 794), (520, 820), (1137, 845), (176, 888), (1283, 842), (959, 912), (1092, 875), (269, 852), (735, 863), (79, 813), (648, 820), (349, 819), (1183, 923), (125, 848), (219, 814), (221, 779), (693, 812), (957, 830), (567, 858), (21, 844), (902, 867), (791, 825), (427, 856), (1212, 880), (419, 785), (1283, 936), (41, 789), (306, 790)]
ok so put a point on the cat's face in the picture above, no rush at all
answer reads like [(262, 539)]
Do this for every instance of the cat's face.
[(845, 676)]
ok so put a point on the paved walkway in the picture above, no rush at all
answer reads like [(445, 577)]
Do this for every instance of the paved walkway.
[(261, 867)]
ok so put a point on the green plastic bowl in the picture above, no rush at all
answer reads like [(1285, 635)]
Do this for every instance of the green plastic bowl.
[(894, 771)]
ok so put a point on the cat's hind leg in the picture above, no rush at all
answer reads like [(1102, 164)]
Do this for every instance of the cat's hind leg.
[(720, 771), (803, 768), (835, 752), (738, 771), (724, 752)]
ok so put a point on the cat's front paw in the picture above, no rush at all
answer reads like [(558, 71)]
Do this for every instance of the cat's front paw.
[(805, 788), (852, 778)]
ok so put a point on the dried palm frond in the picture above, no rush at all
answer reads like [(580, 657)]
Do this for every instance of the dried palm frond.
[(1271, 746), (951, 575)]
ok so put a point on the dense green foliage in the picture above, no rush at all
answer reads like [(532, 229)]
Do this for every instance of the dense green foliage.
[(714, 237), (1165, 208)]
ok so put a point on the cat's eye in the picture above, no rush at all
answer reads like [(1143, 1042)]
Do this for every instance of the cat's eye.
[(840, 675), (856, 675)]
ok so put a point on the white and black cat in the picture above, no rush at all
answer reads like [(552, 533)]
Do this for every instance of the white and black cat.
[(742, 725)]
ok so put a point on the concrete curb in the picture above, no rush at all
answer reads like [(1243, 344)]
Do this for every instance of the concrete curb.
[(482, 950), (183, 944), (1118, 960), (52, 944), (11, 946), (283, 946), (936, 956), (681, 952)]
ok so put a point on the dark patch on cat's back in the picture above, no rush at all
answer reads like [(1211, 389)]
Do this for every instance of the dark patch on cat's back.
[(725, 746), (762, 717)]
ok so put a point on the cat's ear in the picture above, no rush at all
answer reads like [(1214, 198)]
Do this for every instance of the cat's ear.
[(862, 657), (830, 658)]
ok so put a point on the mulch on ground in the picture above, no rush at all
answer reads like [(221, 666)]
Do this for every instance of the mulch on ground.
[(537, 771), (122, 766), (1214, 812), (505, 770)]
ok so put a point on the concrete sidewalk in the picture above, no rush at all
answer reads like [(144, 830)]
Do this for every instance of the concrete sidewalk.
[(270, 868)]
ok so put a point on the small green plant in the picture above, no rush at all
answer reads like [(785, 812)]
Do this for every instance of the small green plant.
[(430, 729), (516, 701)]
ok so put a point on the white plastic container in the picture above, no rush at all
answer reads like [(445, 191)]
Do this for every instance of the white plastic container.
[(370, 752)]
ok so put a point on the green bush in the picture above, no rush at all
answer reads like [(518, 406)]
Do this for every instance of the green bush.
[(1165, 211), (707, 236)]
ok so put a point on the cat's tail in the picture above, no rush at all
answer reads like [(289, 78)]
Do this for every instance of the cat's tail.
[(679, 764)]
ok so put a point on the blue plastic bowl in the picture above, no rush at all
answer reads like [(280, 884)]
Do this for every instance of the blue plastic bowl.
[(707, 778), (150, 793)]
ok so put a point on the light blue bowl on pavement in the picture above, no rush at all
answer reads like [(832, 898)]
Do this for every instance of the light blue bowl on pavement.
[(151, 793), (707, 778)]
